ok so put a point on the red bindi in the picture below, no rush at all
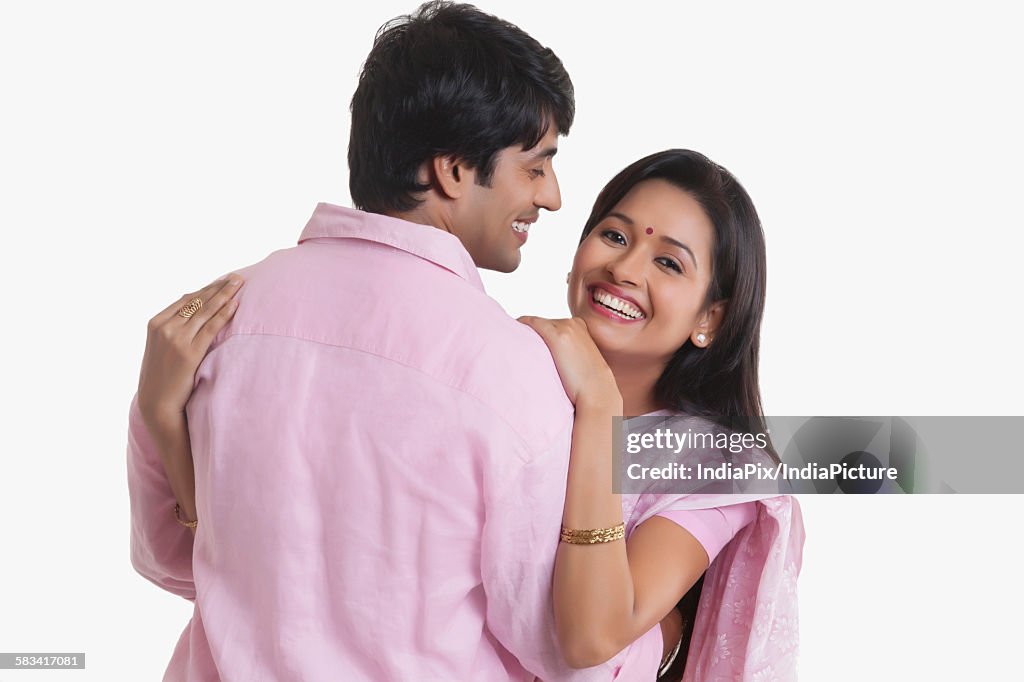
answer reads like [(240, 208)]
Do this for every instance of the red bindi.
[(650, 230)]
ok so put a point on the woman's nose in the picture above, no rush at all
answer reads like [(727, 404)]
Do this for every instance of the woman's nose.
[(627, 269)]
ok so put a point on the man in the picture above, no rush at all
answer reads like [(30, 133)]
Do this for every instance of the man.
[(380, 451)]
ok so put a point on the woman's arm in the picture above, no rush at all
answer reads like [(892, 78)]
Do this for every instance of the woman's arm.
[(175, 347), (608, 595), (171, 438)]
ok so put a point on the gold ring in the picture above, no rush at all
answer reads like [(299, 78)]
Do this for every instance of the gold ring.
[(191, 308)]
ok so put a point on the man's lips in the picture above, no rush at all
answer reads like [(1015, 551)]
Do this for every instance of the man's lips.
[(522, 225), (521, 228)]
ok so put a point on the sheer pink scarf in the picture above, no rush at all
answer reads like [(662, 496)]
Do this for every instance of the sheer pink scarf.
[(747, 620)]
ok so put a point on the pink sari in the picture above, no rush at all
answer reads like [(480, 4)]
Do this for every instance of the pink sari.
[(747, 621)]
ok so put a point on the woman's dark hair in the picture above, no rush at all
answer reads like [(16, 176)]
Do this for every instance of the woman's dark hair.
[(448, 79), (719, 382)]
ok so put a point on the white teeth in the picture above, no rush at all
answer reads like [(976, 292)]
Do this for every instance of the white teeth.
[(624, 309), (520, 227)]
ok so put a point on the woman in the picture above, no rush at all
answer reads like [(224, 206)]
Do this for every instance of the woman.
[(667, 294)]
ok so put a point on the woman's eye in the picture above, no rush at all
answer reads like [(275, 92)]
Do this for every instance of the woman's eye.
[(537, 172), (613, 236), (671, 264)]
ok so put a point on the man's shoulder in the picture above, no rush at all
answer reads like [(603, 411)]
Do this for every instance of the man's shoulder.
[(492, 358), (513, 368), (405, 309)]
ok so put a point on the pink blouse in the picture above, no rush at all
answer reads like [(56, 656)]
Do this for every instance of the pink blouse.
[(714, 528)]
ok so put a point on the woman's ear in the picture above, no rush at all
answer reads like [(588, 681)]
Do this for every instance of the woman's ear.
[(449, 175), (708, 325)]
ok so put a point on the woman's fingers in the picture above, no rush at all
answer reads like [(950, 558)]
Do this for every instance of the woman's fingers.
[(555, 331), (579, 362), (205, 336), (172, 354), (538, 324), (170, 311), (214, 297)]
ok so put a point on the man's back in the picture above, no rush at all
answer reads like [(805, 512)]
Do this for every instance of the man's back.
[(380, 459), (347, 434)]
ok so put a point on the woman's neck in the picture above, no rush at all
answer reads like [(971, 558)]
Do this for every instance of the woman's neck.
[(636, 385)]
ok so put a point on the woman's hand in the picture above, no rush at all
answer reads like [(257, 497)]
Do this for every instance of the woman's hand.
[(175, 346), (585, 374)]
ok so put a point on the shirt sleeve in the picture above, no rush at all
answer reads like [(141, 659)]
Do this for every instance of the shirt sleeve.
[(520, 538), (714, 528), (161, 548)]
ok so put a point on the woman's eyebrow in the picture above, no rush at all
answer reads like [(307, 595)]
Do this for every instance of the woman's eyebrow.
[(682, 246)]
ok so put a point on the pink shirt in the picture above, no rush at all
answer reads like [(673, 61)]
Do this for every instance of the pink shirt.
[(380, 455)]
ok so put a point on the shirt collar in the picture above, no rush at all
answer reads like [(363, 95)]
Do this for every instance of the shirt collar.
[(430, 243)]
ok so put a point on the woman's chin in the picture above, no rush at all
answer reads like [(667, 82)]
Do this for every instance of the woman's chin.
[(610, 341)]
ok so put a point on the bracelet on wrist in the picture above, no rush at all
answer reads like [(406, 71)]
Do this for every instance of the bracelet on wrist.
[(177, 516), (670, 657), (593, 536)]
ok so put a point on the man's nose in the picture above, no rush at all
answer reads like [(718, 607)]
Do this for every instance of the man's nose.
[(549, 196)]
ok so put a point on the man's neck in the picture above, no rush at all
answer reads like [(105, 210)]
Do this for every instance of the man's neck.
[(424, 214)]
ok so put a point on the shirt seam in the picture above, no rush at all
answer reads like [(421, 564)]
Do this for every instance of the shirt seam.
[(524, 444)]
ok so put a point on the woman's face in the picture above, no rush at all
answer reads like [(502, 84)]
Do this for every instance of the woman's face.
[(640, 278)]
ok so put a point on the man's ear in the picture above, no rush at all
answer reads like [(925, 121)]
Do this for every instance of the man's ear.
[(708, 325), (450, 175)]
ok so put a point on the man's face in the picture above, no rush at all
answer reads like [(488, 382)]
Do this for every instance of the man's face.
[(493, 222)]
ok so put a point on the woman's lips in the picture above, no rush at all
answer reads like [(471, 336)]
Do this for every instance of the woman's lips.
[(617, 293), (608, 312)]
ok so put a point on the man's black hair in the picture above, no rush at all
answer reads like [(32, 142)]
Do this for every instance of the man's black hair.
[(448, 80)]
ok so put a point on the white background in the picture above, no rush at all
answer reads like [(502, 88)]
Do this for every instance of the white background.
[(146, 149)]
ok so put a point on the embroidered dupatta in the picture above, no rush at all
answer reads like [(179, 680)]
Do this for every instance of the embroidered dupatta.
[(746, 627)]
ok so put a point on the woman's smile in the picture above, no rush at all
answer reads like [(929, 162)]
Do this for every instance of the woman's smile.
[(609, 301)]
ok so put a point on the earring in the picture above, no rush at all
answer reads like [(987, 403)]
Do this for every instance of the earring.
[(701, 338)]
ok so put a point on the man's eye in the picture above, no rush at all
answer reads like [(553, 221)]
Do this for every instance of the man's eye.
[(671, 264), (612, 235), (537, 172)]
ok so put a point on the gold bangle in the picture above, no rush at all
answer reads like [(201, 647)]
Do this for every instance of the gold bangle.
[(593, 536), (177, 516)]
